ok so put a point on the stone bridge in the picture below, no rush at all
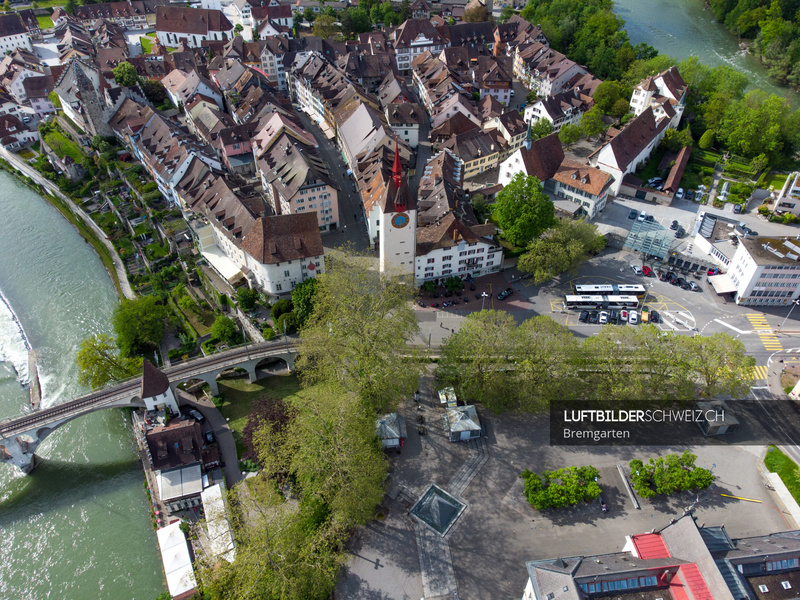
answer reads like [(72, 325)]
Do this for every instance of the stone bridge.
[(19, 437)]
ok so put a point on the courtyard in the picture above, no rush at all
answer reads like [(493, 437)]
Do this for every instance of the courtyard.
[(490, 541)]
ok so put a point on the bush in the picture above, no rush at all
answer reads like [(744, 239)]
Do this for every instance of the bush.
[(281, 307), (564, 487), (763, 210), (268, 332), (173, 353), (286, 323), (669, 474)]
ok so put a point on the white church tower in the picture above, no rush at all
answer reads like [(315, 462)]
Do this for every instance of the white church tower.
[(398, 224), (155, 389)]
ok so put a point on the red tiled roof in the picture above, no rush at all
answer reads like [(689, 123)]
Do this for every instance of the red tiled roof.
[(650, 545), (694, 582)]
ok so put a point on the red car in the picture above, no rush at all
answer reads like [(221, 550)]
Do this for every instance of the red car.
[(647, 271)]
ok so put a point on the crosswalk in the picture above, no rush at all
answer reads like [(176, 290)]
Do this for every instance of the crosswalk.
[(764, 332), (760, 372)]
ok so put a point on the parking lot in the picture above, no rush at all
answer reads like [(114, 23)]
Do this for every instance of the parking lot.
[(499, 531)]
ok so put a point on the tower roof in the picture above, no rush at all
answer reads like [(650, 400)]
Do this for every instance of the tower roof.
[(154, 382)]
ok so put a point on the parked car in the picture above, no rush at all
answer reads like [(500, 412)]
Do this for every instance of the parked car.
[(636, 269), (613, 316), (649, 218), (633, 318), (648, 272), (593, 317), (645, 315), (195, 414), (694, 287), (584, 316), (654, 316), (683, 283), (737, 209), (679, 193), (689, 195), (751, 233), (642, 216), (209, 435), (505, 294), (680, 233), (623, 315), (674, 225), (662, 276), (633, 214), (655, 181)]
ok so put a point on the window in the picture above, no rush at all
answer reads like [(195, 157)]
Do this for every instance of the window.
[(278, 287), (431, 261), (286, 273)]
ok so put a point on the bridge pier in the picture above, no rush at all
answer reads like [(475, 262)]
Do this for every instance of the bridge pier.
[(20, 453), (251, 371)]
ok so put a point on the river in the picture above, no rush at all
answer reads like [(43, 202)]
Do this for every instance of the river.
[(684, 28), (79, 526)]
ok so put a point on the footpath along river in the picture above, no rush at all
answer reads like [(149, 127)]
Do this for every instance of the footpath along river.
[(684, 28), (79, 526)]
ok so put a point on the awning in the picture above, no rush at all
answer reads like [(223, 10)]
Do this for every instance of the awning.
[(223, 265), (722, 284)]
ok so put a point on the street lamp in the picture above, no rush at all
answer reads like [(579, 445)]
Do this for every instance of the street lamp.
[(794, 303)]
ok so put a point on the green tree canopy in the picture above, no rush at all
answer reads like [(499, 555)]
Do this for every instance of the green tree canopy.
[(354, 21), (247, 298), (139, 325), (224, 329), (303, 296), (561, 249), (325, 27), (100, 362), (541, 128), (125, 74), (592, 122), (154, 90), (607, 93), (569, 134), (359, 331), (522, 210)]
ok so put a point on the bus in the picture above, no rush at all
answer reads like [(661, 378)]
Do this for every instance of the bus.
[(598, 302), (611, 290)]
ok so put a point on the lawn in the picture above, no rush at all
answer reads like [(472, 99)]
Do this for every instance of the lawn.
[(26, 154), (775, 180), (650, 169), (45, 22), (155, 251), (201, 320), (147, 44), (238, 394), (777, 462), (63, 146), (690, 180)]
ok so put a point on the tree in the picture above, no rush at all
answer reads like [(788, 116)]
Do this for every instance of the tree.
[(523, 211), (569, 134), (224, 329), (706, 140), (70, 7), (309, 15), (99, 362), (154, 90), (719, 364), (542, 128), (405, 11), (187, 303), (266, 412), (247, 298), (561, 249), (621, 108), (759, 163), (34, 5), (325, 27), (286, 324), (480, 207), (303, 297), (359, 331), (139, 325), (238, 29), (125, 74), (506, 14), (531, 97), (281, 307), (607, 93), (7, 6), (674, 140), (760, 124), (592, 122), (354, 21), (476, 14), (53, 97)]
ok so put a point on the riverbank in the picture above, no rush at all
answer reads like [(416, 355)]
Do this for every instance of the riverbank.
[(86, 227)]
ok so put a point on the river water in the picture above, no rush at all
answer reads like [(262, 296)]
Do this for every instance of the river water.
[(79, 525), (684, 28)]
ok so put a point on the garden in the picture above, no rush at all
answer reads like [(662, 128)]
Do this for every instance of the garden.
[(777, 462)]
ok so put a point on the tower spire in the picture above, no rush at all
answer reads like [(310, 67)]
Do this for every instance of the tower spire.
[(529, 136), (397, 171)]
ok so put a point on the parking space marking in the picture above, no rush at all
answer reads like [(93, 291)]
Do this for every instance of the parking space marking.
[(760, 372)]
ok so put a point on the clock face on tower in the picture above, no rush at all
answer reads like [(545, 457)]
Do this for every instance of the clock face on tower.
[(400, 220)]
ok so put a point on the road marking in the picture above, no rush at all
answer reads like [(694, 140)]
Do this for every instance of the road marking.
[(729, 326), (760, 372), (740, 498), (760, 387), (758, 321), (770, 340)]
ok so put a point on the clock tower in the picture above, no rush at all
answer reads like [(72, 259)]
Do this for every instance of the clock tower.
[(398, 224)]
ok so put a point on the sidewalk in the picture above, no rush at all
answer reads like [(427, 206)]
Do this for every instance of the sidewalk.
[(25, 168)]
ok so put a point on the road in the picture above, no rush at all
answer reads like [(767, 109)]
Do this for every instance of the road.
[(119, 267)]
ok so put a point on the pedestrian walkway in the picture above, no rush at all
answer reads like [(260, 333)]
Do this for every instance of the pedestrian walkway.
[(760, 373), (458, 484), (764, 332)]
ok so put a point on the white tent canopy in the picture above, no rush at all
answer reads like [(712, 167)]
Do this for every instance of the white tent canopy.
[(176, 559)]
